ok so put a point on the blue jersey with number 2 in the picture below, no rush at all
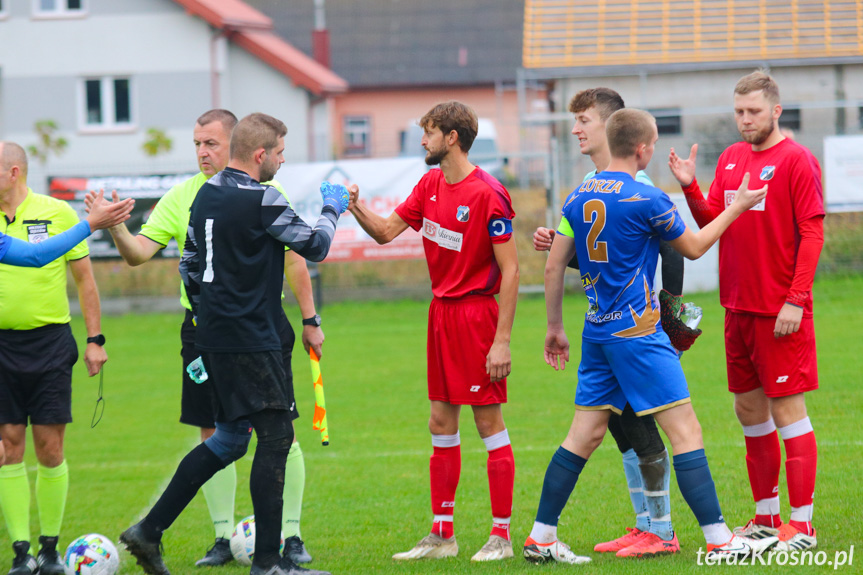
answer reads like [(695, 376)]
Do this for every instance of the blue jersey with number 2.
[(617, 223)]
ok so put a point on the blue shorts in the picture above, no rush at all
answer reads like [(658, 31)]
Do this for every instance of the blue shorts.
[(645, 372)]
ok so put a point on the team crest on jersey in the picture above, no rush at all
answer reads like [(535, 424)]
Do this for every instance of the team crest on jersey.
[(462, 213), (767, 173)]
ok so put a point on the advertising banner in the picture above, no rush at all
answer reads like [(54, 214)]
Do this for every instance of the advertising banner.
[(384, 184)]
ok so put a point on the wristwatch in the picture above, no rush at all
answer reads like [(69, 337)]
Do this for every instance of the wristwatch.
[(97, 339), (314, 321)]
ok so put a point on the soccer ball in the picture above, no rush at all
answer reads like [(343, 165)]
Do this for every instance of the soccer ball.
[(243, 541), (91, 554)]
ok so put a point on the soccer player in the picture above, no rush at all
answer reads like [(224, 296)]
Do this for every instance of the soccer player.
[(767, 263), (37, 352), (465, 217), (170, 219), (614, 224), (232, 268), (645, 460)]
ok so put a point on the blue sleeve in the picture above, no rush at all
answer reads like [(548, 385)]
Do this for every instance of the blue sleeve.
[(23, 254), (664, 218)]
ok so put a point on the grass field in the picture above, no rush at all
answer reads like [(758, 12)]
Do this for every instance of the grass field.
[(367, 493)]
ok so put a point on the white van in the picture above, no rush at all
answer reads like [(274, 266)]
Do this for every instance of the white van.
[(484, 152)]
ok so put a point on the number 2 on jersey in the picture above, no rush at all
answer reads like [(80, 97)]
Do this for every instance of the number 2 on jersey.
[(597, 251)]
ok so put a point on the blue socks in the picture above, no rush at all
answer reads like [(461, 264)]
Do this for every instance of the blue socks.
[(656, 477), (697, 487), (636, 489), (560, 479)]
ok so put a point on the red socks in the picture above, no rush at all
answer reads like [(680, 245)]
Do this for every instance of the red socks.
[(801, 463), (763, 460), (501, 480), (444, 471)]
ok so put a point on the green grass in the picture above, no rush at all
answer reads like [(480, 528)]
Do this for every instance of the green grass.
[(367, 493)]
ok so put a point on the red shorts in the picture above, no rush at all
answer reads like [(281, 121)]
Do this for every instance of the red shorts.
[(460, 334), (756, 358)]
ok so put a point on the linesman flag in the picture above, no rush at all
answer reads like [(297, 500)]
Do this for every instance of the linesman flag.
[(319, 420)]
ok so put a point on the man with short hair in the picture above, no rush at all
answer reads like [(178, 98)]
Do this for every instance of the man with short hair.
[(614, 224), (767, 263), (232, 269), (646, 464), (37, 352), (170, 218), (465, 217)]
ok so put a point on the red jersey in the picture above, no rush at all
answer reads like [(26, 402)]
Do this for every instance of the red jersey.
[(758, 252), (459, 223)]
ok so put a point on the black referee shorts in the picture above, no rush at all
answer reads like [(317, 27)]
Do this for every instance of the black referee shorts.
[(36, 375), (199, 404)]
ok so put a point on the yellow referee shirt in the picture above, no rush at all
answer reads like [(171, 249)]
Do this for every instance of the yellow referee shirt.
[(34, 297)]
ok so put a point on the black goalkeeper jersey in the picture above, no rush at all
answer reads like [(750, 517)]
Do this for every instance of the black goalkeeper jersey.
[(234, 260)]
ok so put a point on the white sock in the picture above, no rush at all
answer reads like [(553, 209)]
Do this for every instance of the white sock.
[(542, 533)]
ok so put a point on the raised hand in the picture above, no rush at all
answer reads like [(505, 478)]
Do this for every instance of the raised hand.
[(104, 214), (335, 195), (683, 170), (746, 198)]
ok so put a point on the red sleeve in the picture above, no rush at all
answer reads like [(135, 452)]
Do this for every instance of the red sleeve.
[(699, 207), (811, 241), (411, 210), (806, 189)]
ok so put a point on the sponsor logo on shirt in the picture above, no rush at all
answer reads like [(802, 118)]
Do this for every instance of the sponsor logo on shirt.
[(462, 214), (730, 166), (767, 173), (433, 198), (731, 194), (443, 237)]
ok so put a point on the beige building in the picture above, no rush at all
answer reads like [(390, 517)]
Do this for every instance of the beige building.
[(681, 59)]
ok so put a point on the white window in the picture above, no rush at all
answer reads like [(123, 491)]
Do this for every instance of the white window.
[(63, 8), (106, 103), (357, 135)]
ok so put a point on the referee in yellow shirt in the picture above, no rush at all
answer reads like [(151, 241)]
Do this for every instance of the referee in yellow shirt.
[(37, 352)]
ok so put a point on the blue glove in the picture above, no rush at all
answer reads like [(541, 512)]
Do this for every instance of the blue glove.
[(335, 195)]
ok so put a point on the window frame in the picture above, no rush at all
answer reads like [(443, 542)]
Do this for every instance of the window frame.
[(351, 150), (672, 113), (793, 124), (62, 11), (108, 106)]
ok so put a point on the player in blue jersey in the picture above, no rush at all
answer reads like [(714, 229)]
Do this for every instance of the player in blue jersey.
[(646, 463), (614, 225)]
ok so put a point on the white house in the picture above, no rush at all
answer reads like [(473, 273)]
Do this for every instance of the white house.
[(106, 71)]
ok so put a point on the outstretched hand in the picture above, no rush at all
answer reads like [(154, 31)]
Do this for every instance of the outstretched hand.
[(542, 239), (746, 198), (683, 170), (335, 195), (104, 214)]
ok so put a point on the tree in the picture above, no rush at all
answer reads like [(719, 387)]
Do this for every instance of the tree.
[(47, 143), (158, 143)]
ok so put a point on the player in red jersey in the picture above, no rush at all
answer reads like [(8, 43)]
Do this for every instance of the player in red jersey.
[(767, 262), (465, 217)]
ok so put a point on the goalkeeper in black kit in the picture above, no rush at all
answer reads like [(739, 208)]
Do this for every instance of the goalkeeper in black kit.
[(232, 269)]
